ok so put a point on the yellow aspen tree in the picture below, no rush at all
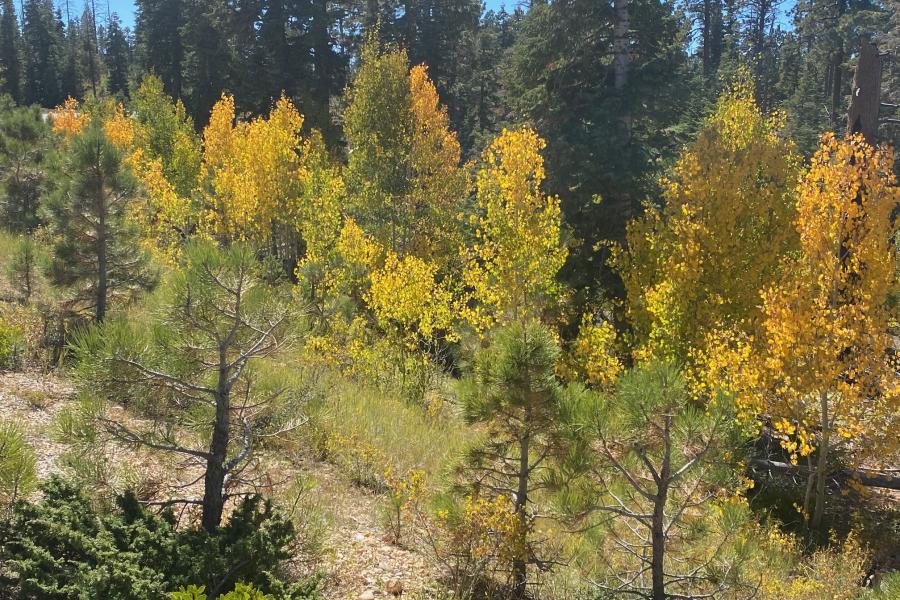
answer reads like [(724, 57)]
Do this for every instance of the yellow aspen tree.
[(163, 151), (511, 271), (270, 185), (440, 186), (254, 168), (699, 261), (406, 186), (318, 216), (819, 368), (68, 119), (592, 358), (407, 299), (406, 191)]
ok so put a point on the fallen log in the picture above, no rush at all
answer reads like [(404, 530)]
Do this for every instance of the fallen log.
[(866, 478)]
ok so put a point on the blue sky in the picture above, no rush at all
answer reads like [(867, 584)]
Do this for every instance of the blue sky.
[(125, 8)]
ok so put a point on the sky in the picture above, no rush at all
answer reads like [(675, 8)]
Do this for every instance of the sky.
[(125, 8)]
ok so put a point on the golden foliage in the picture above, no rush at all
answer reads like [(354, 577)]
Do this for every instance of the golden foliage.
[(405, 293), (592, 357), (818, 365), (486, 531), (68, 119), (406, 185), (255, 168), (698, 263), (511, 270)]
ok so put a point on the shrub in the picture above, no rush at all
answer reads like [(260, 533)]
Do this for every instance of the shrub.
[(17, 464), (833, 572), (11, 346), (240, 592), (31, 335), (62, 547), (477, 540)]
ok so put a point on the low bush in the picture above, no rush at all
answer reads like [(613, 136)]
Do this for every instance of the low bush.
[(17, 464), (11, 346), (62, 547)]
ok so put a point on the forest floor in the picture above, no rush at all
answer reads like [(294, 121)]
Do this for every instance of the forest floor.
[(358, 558)]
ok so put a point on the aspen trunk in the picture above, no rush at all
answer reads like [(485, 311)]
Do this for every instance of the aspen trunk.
[(822, 463)]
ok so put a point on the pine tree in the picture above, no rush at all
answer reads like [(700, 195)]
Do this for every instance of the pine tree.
[(17, 465), (44, 51), (160, 43), (649, 457), (10, 51), (96, 254), (514, 393), (477, 107), (607, 140), (117, 55), (72, 77), (88, 50), (206, 64), (200, 356), (24, 157)]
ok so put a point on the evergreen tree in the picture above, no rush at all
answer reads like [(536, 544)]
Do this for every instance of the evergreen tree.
[(608, 127), (816, 62), (72, 77), (96, 252), (24, 153), (88, 50), (432, 32), (10, 48), (514, 393), (708, 19), (650, 456), (63, 547), (17, 464), (200, 357), (206, 61), (43, 43), (160, 42), (117, 55), (476, 100)]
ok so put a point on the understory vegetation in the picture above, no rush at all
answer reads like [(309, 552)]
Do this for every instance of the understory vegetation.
[(705, 404)]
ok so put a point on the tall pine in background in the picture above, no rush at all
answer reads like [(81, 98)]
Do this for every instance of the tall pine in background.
[(159, 41), (10, 51), (117, 56), (607, 113), (44, 50)]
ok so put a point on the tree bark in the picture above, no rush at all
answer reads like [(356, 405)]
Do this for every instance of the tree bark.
[(866, 478), (865, 94), (214, 480), (658, 524), (822, 463), (102, 282), (520, 565), (707, 26), (621, 50), (371, 13), (837, 82)]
